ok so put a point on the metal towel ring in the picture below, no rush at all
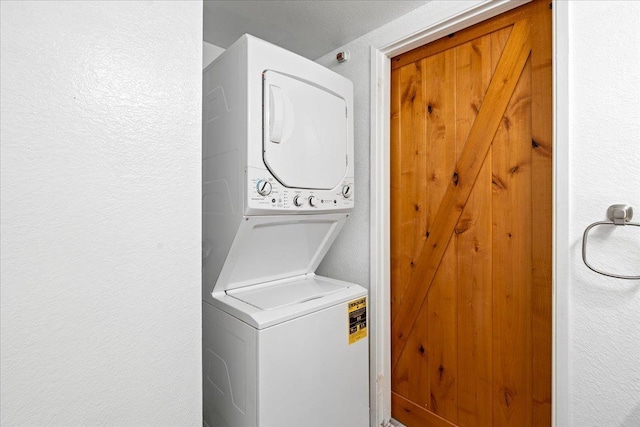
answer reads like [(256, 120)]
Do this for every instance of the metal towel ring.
[(618, 215)]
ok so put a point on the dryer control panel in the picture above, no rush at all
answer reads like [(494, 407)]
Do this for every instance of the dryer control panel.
[(266, 195)]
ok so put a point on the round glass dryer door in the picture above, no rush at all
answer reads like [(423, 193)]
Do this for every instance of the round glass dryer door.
[(305, 133)]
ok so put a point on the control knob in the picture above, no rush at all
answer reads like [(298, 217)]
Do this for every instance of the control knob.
[(346, 191), (298, 201), (264, 187), (313, 201)]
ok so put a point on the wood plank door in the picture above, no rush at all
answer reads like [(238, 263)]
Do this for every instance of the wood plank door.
[(471, 209)]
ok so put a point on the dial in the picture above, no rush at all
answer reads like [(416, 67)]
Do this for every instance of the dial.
[(264, 187), (298, 201), (346, 191), (313, 201)]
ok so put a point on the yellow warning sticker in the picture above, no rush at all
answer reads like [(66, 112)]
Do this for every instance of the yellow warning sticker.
[(357, 312)]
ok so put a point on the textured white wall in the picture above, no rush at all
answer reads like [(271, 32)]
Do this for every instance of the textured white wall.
[(100, 213), (209, 53), (604, 313)]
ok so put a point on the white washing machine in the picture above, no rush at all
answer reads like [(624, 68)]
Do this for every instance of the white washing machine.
[(281, 346)]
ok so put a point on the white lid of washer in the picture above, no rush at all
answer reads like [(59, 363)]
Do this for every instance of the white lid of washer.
[(277, 247), (305, 132), (266, 305), (292, 292)]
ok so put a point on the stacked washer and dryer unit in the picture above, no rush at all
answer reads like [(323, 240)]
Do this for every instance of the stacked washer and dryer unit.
[(281, 345)]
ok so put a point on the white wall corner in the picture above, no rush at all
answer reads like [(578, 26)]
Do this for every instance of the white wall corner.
[(209, 53)]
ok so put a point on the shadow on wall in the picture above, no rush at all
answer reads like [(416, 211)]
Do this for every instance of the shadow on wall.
[(632, 419)]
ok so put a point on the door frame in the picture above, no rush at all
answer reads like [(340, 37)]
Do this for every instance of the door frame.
[(380, 89)]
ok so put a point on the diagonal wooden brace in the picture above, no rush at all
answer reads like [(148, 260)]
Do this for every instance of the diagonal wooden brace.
[(508, 71)]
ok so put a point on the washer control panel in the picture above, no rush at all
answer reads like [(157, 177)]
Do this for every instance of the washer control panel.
[(265, 194)]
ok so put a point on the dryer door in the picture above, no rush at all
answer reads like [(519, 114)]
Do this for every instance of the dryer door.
[(305, 133)]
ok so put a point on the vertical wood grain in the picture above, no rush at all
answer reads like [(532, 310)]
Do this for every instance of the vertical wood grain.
[(541, 210), (473, 239), (478, 352), (398, 378), (511, 166), (441, 300), (410, 197), (442, 343), (419, 361), (411, 173)]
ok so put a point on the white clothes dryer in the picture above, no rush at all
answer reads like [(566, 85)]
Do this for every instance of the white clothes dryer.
[(281, 345)]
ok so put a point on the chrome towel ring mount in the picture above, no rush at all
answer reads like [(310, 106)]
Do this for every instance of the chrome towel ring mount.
[(619, 215)]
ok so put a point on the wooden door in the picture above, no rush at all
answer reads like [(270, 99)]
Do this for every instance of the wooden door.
[(471, 206)]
